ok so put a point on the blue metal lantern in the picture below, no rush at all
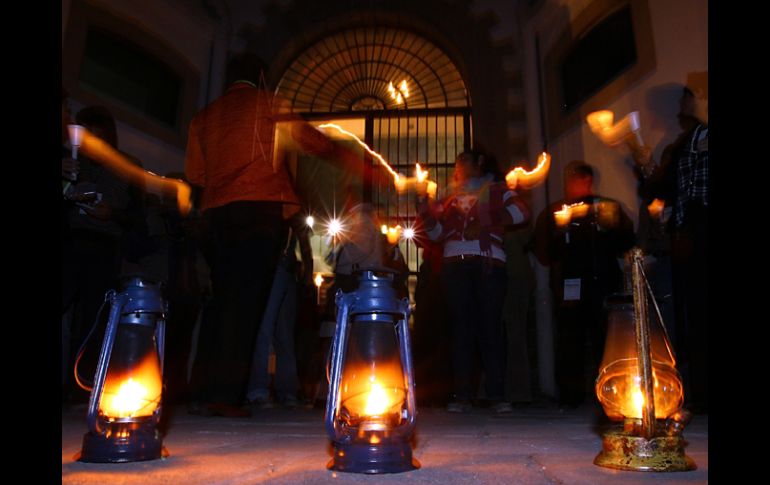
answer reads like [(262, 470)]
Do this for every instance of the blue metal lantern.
[(370, 408), (125, 404)]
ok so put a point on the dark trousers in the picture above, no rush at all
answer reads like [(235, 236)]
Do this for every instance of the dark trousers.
[(277, 329), (475, 293), (431, 337), (690, 255), (246, 239)]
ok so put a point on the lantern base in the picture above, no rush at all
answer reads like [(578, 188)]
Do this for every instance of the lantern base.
[(622, 450), (135, 445), (381, 458)]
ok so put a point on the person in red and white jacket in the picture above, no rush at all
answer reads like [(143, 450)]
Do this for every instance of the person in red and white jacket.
[(470, 224)]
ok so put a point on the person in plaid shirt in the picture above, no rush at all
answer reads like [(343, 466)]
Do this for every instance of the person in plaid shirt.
[(688, 225)]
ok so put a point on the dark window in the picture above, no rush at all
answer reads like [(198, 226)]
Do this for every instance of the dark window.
[(128, 73), (597, 58)]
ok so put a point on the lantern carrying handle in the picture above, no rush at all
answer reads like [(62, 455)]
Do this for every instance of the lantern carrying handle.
[(82, 382)]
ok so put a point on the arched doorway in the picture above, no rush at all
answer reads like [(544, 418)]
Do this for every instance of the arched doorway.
[(395, 90)]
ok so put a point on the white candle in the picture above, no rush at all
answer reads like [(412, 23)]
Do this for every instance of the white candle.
[(563, 216)]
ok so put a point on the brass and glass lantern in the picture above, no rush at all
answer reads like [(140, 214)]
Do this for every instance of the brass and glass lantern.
[(639, 384)]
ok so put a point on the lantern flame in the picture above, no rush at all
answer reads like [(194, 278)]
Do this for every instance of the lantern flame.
[(619, 390), (377, 402), (520, 178), (373, 395), (133, 395)]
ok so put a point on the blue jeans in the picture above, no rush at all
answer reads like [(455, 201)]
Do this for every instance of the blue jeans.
[(277, 327), (475, 293)]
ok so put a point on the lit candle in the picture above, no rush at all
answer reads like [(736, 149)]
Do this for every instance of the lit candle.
[(401, 183), (394, 234), (579, 210), (656, 209), (422, 183), (601, 124), (432, 189), (318, 280), (518, 177), (563, 216)]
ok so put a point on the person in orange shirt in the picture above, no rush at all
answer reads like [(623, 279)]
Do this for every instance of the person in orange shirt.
[(246, 194)]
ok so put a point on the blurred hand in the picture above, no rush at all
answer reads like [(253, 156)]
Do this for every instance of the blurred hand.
[(69, 168)]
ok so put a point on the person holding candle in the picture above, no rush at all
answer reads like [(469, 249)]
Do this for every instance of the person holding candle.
[(102, 211), (234, 161), (682, 179), (470, 223), (582, 253)]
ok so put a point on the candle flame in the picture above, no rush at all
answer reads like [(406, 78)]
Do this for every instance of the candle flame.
[(318, 280), (611, 134), (518, 177), (394, 234), (422, 175), (399, 94), (656, 208)]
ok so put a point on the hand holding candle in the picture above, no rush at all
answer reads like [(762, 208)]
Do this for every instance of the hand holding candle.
[(423, 185), (601, 124)]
